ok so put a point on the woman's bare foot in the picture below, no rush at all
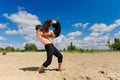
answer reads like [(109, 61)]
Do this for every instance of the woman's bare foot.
[(60, 69)]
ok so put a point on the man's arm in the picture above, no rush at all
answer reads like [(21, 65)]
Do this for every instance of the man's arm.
[(38, 34), (42, 39)]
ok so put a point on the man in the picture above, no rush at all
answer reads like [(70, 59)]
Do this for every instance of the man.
[(43, 34)]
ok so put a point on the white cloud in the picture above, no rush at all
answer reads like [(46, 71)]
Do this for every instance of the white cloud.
[(99, 35), (73, 34), (80, 25), (15, 45), (30, 38), (86, 43), (11, 32), (63, 41), (2, 26), (2, 38), (23, 18), (94, 34), (117, 22), (117, 35), (103, 28), (20, 8), (25, 23), (95, 40)]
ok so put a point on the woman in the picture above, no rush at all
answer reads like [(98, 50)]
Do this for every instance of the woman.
[(43, 34), (48, 23)]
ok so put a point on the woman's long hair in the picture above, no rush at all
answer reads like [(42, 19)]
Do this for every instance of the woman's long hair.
[(46, 26)]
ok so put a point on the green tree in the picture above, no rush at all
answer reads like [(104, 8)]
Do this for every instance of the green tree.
[(108, 43), (30, 47), (71, 47), (9, 48), (18, 50), (1, 49), (115, 45)]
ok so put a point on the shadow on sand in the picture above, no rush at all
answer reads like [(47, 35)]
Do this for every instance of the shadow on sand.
[(29, 68), (35, 69)]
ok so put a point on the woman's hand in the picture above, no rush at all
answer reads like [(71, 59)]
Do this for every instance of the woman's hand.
[(53, 22)]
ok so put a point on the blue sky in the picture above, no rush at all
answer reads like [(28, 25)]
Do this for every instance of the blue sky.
[(86, 23)]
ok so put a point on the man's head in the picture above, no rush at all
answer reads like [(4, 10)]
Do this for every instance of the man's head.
[(38, 27), (41, 28)]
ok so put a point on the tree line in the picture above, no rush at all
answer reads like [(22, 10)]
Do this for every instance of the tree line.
[(27, 47), (32, 47), (112, 46)]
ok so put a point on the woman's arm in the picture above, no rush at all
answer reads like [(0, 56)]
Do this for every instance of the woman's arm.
[(57, 27)]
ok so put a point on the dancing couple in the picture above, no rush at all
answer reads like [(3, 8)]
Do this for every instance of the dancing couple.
[(43, 34)]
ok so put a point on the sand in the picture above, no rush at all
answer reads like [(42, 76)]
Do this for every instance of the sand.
[(77, 66)]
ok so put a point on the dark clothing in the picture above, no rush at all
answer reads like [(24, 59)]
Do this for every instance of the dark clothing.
[(51, 50), (57, 30)]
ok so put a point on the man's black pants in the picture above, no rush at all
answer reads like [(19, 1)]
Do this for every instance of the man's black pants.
[(51, 50)]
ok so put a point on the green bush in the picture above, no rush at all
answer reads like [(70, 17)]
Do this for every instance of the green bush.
[(4, 53), (30, 47)]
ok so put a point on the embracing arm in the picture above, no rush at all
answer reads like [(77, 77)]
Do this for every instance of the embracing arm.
[(57, 27), (42, 39), (38, 34)]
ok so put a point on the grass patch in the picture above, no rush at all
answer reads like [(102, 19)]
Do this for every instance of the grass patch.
[(90, 51)]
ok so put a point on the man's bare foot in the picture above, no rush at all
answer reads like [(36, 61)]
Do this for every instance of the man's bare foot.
[(38, 70), (41, 69)]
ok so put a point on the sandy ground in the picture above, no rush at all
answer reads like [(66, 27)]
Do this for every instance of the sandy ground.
[(83, 66)]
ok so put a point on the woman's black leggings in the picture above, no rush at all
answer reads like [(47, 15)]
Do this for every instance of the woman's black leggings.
[(51, 50)]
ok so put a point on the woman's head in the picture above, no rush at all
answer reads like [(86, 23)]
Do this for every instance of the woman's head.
[(47, 23), (45, 27)]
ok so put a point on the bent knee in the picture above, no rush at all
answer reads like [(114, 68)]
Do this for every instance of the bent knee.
[(60, 58), (47, 63)]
